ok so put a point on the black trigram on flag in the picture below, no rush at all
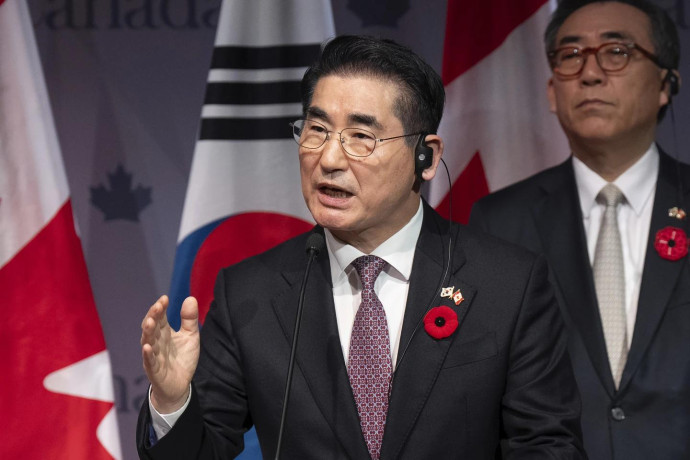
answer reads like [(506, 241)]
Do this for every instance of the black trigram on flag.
[(259, 80)]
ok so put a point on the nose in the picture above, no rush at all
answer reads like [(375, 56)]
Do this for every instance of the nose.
[(592, 73), (333, 156)]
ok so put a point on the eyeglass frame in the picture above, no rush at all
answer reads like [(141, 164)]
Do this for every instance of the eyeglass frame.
[(340, 137), (585, 52)]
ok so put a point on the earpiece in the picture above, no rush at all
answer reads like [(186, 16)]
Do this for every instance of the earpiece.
[(672, 79), (423, 156)]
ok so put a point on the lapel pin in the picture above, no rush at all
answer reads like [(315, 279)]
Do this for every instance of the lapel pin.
[(447, 292), (677, 212), (457, 297), (671, 243), (440, 322)]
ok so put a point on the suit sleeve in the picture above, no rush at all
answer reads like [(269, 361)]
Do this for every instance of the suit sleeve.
[(214, 423), (541, 403)]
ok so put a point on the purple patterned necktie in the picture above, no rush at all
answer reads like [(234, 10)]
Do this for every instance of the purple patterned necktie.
[(369, 365)]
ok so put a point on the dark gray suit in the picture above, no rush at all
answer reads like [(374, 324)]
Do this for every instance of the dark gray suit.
[(504, 373), (649, 416)]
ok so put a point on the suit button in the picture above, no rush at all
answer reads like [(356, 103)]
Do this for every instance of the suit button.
[(618, 414)]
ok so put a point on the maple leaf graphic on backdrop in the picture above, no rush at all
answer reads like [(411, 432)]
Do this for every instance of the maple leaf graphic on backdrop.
[(121, 201)]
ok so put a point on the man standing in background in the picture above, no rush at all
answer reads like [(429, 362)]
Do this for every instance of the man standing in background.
[(612, 223)]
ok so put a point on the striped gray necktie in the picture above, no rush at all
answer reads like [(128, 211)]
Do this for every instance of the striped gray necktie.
[(609, 281)]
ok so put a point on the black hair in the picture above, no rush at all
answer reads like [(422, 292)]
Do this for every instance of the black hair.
[(420, 104), (664, 34)]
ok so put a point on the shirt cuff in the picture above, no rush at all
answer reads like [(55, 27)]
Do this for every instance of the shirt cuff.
[(162, 423)]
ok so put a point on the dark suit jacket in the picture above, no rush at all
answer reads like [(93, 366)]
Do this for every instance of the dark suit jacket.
[(504, 373), (649, 416)]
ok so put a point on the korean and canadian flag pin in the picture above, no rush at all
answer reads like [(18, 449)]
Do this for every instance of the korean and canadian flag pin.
[(451, 293)]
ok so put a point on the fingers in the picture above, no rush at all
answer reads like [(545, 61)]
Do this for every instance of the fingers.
[(151, 364), (157, 310), (189, 315), (151, 326)]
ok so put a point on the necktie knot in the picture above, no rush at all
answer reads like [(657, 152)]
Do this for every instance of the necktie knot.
[(368, 268), (610, 195)]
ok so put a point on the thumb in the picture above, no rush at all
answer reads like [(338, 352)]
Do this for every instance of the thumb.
[(189, 315)]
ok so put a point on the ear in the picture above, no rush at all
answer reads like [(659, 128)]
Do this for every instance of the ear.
[(551, 95), (670, 86), (436, 144)]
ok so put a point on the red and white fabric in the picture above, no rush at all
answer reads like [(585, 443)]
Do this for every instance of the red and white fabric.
[(57, 391), (497, 127)]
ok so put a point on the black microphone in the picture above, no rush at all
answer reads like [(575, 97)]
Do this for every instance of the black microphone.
[(315, 244)]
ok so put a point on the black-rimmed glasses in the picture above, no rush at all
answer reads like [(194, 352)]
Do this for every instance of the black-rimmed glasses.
[(569, 61), (355, 142)]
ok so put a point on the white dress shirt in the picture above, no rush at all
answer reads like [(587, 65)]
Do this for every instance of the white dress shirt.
[(391, 287), (638, 184)]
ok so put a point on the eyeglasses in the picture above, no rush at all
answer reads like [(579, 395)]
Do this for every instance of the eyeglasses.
[(355, 142), (611, 57)]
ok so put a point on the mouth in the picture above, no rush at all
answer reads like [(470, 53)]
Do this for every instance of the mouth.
[(333, 191), (592, 103)]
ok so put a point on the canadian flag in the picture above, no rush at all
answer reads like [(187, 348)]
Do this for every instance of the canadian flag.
[(56, 384), (496, 127)]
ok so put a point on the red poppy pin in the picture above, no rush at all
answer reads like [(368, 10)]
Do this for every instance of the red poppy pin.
[(440, 322), (671, 243)]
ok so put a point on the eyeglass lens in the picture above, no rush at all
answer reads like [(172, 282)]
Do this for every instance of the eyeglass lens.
[(312, 135), (611, 57)]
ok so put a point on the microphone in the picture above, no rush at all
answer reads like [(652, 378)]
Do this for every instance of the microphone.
[(315, 245)]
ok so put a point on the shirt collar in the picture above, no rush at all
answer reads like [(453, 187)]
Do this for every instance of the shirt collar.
[(397, 251), (637, 182)]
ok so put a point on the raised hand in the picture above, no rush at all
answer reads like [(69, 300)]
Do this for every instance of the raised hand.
[(170, 358)]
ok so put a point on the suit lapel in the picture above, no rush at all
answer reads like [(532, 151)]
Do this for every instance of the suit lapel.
[(420, 356), (660, 276), (558, 219), (319, 354)]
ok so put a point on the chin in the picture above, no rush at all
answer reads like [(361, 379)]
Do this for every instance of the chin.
[(331, 219), (594, 132)]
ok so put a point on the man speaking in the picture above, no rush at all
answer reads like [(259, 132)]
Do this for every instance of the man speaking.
[(418, 339)]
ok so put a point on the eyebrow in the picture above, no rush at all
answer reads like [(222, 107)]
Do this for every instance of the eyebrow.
[(319, 114), (611, 35), (353, 118), (366, 120)]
